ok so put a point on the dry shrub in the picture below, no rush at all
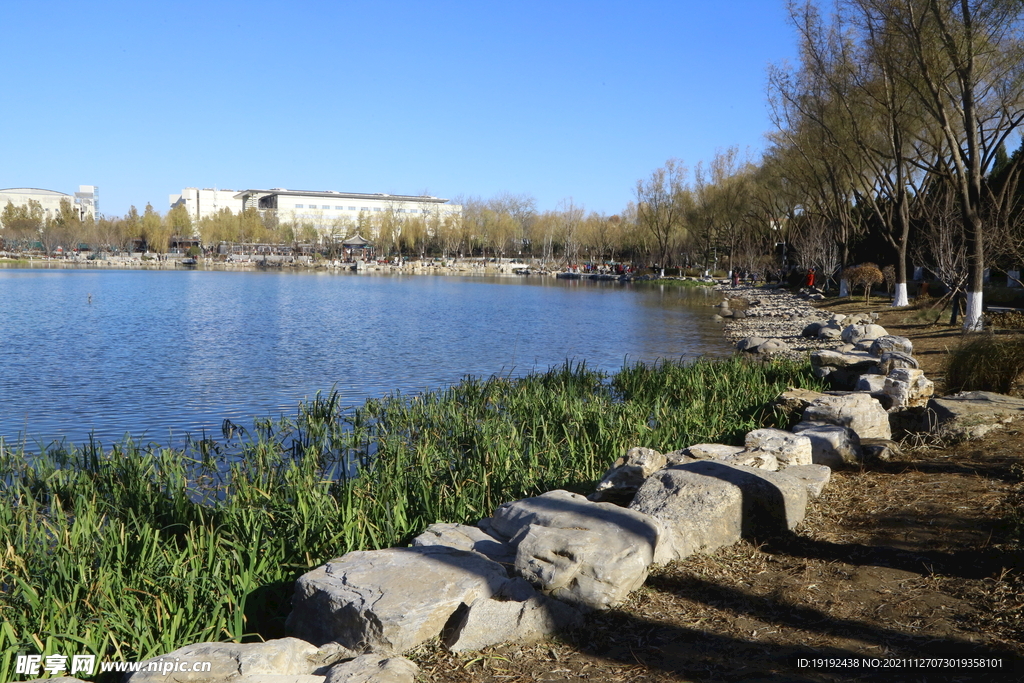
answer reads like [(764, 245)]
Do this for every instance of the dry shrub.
[(889, 273), (865, 275), (1010, 320), (986, 363)]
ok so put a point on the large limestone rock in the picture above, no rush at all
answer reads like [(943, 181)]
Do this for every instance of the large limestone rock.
[(855, 361), (891, 343), (762, 460), (621, 482), (908, 388), (388, 601), (788, 448), (374, 669), (854, 334), (842, 369), (489, 622), (861, 413), (585, 553), (972, 414), (709, 451), (873, 384), (708, 504), (892, 360), (814, 477), (831, 445), (796, 400), (237, 662), (463, 537)]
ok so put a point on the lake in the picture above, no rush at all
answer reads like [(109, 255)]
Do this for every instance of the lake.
[(162, 354)]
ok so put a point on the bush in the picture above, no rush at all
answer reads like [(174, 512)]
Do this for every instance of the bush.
[(986, 363), (865, 275)]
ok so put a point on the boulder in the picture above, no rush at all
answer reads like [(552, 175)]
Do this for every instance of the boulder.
[(796, 400), (878, 449), (762, 460), (241, 661), (814, 477), (855, 361), (861, 413), (857, 319), (773, 346), (739, 314), (710, 451), (830, 332), (873, 384), (853, 334), (891, 360), (388, 601), (831, 445), (908, 388), (788, 448), (811, 330), (489, 622), (971, 414), (891, 343), (470, 538), (585, 553), (374, 669), (677, 457), (627, 474), (708, 504), (750, 344)]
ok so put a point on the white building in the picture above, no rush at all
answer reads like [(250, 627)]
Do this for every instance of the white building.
[(206, 202), (86, 200), (323, 208)]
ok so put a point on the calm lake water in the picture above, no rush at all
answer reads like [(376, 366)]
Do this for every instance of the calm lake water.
[(164, 353)]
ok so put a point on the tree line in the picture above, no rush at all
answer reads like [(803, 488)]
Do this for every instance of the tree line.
[(890, 145)]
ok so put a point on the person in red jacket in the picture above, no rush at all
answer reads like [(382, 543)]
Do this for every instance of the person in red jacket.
[(810, 277)]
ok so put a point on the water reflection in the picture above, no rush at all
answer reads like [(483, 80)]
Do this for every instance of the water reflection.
[(161, 353)]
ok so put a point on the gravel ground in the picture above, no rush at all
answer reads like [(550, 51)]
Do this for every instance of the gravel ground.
[(774, 314)]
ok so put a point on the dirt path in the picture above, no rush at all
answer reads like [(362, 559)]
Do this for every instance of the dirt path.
[(907, 560)]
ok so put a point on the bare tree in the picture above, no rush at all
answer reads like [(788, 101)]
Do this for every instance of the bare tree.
[(660, 206)]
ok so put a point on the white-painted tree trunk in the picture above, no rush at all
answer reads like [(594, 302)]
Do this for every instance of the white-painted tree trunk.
[(972, 320), (900, 297), (844, 287)]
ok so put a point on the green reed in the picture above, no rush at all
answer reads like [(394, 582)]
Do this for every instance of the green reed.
[(129, 552)]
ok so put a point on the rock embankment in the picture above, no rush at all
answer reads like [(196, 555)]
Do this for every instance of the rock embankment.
[(538, 566), (767, 315)]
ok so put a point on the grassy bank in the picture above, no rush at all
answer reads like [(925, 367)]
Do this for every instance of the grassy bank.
[(128, 553)]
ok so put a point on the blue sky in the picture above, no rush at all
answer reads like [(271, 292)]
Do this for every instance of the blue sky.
[(470, 98)]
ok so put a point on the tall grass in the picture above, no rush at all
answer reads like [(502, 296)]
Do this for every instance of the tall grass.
[(986, 363), (126, 553)]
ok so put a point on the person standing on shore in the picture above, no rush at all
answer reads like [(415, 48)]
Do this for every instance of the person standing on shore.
[(810, 277)]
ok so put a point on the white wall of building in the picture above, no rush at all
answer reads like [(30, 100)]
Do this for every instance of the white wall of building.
[(201, 203), (85, 200), (325, 210)]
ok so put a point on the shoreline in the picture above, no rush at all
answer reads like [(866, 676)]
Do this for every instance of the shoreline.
[(474, 267), (774, 314)]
